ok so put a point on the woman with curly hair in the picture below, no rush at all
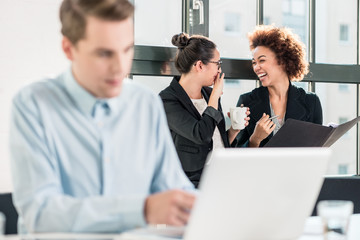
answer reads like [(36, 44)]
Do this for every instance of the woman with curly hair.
[(193, 109), (278, 59)]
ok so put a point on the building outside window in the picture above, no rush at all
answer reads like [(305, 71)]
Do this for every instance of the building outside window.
[(232, 23), (267, 21), (298, 7), (341, 121), (344, 33), (342, 169), (343, 87)]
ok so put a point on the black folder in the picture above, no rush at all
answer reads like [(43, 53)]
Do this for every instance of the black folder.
[(295, 133)]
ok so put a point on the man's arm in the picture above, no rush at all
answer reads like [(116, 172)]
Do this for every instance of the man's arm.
[(168, 206)]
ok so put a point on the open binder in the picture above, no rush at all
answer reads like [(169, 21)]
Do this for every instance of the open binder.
[(295, 133)]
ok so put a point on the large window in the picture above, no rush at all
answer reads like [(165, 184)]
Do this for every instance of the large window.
[(336, 31), (293, 14), (155, 26), (339, 106), (229, 22)]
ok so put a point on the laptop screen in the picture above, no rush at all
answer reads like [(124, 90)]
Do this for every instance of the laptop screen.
[(257, 193)]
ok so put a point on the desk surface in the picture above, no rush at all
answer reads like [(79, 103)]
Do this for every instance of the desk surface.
[(312, 231)]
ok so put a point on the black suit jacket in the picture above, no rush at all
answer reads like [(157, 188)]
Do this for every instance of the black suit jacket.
[(191, 132), (300, 106)]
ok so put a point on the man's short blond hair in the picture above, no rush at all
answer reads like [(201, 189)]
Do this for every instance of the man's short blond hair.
[(73, 14)]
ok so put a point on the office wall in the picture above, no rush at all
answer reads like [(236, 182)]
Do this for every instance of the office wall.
[(30, 49)]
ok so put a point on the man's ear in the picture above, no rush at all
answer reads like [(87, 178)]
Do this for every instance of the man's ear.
[(68, 48)]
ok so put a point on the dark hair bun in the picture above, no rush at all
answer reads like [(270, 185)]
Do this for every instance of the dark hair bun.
[(180, 40)]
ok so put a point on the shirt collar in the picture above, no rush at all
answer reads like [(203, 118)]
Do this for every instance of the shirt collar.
[(85, 100), (113, 104)]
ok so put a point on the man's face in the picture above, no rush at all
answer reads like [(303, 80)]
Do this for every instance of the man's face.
[(102, 59)]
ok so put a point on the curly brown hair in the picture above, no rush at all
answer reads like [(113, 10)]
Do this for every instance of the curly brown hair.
[(289, 50)]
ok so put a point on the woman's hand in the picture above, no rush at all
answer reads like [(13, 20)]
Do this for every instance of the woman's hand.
[(247, 117), (217, 91), (218, 85), (263, 128), (234, 132)]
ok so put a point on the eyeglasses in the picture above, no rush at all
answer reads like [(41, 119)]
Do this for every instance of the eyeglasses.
[(218, 63)]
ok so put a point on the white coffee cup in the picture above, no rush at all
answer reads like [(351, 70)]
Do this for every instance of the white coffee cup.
[(237, 116)]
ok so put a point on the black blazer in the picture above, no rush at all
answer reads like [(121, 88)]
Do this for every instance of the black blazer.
[(301, 105), (191, 132)]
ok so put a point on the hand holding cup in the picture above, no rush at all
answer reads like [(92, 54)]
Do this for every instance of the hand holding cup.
[(238, 116)]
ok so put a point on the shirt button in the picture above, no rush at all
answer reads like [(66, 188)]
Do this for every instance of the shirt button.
[(107, 160), (100, 124)]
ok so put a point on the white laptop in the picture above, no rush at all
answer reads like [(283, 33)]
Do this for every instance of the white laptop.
[(256, 194)]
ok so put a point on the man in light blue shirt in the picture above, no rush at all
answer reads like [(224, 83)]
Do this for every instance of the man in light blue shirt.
[(91, 153)]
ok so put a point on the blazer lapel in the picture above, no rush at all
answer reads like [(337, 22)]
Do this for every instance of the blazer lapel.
[(260, 105), (295, 109), (183, 97)]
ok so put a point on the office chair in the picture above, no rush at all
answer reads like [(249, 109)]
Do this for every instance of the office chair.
[(7, 207), (340, 188)]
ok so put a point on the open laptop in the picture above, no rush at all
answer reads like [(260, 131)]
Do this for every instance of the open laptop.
[(248, 194)]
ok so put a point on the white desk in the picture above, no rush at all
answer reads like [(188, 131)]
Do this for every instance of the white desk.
[(312, 231)]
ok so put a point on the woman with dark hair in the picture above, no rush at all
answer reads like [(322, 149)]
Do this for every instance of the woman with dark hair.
[(278, 59), (193, 109)]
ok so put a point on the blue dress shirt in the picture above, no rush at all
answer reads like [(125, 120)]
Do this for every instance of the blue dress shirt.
[(82, 164)]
